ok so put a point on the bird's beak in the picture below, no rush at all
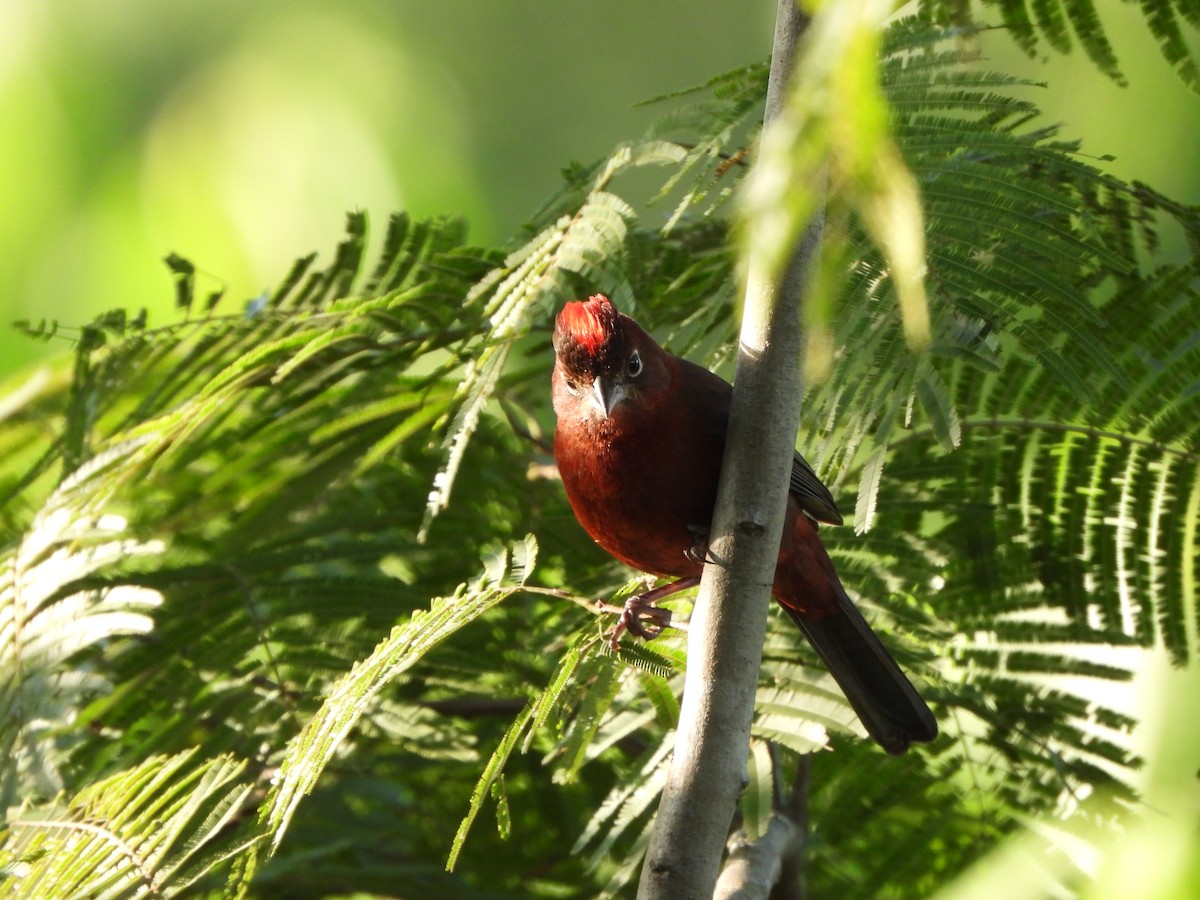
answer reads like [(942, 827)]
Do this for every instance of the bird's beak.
[(606, 394)]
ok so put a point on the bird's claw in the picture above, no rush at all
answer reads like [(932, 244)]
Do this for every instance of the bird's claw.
[(699, 551), (639, 610)]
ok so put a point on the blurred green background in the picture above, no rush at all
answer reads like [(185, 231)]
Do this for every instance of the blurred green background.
[(239, 134)]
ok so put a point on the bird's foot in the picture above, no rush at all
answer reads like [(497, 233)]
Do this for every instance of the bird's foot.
[(634, 617), (640, 610), (699, 551)]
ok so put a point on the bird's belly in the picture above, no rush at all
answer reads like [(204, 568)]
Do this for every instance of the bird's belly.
[(655, 544), (644, 515)]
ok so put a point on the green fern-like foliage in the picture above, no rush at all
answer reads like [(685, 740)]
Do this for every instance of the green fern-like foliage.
[(1062, 23), (155, 830), (243, 553)]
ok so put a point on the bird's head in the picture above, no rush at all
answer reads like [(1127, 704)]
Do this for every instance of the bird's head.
[(604, 357)]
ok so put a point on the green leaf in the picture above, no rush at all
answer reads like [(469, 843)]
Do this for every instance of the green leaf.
[(153, 830), (311, 750), (756, 802)]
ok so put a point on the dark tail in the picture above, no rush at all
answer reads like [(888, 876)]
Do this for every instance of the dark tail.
[(888, 705)]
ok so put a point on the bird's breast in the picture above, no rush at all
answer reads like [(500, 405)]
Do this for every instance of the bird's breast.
[(639, 488)]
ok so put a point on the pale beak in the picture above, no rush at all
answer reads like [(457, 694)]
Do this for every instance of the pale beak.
[(606, 394)]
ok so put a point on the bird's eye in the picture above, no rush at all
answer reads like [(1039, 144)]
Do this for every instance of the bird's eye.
[(635, 364)]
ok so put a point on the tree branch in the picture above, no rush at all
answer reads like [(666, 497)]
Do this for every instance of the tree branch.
[(708, 770), (755, 867)]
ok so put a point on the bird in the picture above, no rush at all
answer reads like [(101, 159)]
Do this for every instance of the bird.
[(639, 443)]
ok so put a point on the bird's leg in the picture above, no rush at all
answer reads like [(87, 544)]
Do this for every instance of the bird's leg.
[(641, 606), (699, 552)]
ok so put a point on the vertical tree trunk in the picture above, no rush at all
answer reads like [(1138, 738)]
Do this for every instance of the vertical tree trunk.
[(708, 770)]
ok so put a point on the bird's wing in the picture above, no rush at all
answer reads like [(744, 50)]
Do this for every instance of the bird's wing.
[(709, 396), (814, 498)]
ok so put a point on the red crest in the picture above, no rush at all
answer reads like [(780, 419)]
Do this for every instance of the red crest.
[(589, 323)]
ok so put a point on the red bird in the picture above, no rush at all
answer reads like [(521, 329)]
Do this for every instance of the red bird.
[(639, 444)]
